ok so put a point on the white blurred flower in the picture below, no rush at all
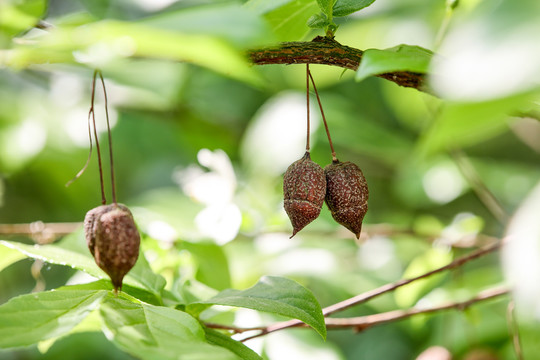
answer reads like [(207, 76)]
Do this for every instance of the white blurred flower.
[(521, 255), (479, 63), (221, 218), (277, 136)]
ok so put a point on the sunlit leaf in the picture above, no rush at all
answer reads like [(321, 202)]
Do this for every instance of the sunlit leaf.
[(276, 295), (220, 339), (30, 318), (318, 21), (326, 6), (140, 276), (101, 42), (213, 267), (231, 21), (9, 256), (17, 16), (289, 22), (398, 58), (346, 7), (156, 332), (262, 7), (465, 124), (406, 296)]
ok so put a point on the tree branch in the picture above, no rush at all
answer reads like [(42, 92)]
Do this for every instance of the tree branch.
[(42, 233), (361, 323), (364, 297), (327, 51)]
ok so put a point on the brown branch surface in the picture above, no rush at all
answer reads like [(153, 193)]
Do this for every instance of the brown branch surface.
[(326, 51)]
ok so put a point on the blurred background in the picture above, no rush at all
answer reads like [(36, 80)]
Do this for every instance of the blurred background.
[(201, 140)]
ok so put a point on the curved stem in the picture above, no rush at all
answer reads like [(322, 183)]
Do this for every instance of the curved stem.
[(113, 187), (307, 106), (334, 158), (103, 199)]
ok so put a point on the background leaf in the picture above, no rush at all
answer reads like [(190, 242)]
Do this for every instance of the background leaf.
[(151, 332), (220, 339), (9, 256), (213, 267), (30, 318), (276, 295), (289, 22), (140, 276), (398, 58)]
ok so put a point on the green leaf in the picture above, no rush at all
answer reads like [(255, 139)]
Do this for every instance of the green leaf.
[(465, 124), (156, 332), (289, 21), (35, 8), (346, 7), (275, 295), (125, 39), (231, 21), (326, 7), (31, 318), (318, 21), (9, 256), (398, 58), (140, 276), (223, 340), (213, 267), (17, 16), (262, 7)]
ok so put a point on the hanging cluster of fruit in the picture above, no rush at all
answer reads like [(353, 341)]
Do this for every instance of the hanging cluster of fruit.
[(341, 185), (110, 231)]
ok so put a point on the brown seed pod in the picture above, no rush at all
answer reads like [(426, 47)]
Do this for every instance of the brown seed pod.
[(304, 187), (346, 194), (113, 240)]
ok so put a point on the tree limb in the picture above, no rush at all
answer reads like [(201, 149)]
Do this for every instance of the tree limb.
[(364, 297), (327, 51), (361, 323)]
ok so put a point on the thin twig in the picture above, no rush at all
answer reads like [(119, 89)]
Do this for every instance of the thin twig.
[(513, 329), (42, 233), (483, 193), (364, 297), (234, 329), (334, 158), (363, 322)]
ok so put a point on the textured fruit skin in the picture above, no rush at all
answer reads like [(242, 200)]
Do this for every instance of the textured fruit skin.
[(346, 194), (304, 188), (113, 240)]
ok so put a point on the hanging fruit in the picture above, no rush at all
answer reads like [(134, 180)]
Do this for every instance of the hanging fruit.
[(346, 187), (346, 194), (304, 189), (111, 234)]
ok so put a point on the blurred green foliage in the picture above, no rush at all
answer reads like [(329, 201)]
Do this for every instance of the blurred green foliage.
[(178, 82)]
